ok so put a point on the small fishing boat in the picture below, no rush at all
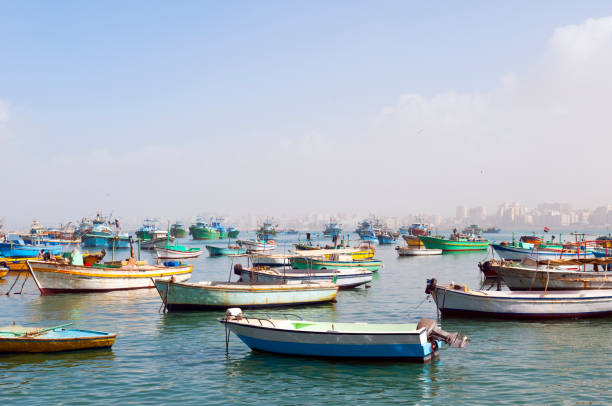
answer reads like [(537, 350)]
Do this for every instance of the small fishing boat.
[(363, 251), (177, 252), (456, 299), (385, 237), (472, 229), (491, 230), (16, 264), (102, 235), (344, 278), (456, 242), (555, 274), (232, 232), (214, 251), (263, 259), (221, 295), (15, 339), (413, 241), (17, 248), (177, 230), (417, 342), (413, 252), (519, 250), (216, 224), (203, 231), (335, 261), (71, 276), (3, 272), (257, 245), (267, 230)]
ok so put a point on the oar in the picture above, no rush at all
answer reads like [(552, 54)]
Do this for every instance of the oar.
[(44, 330)]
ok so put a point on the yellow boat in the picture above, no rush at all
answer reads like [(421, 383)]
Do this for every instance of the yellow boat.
[(413, 241), (15, 264), (15, 339), (3, 272)]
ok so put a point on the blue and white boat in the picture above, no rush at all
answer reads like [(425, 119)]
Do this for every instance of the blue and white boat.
[(519, 250), (345, 278), (103, 236), (17, 248), (417, 342), (332, 229), (386, 237)]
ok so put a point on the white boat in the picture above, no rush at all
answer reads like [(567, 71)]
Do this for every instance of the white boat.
[(559, 274), (412, 251), (522, 250), (255, 246), (417, 342), (457, 299), (265, 259), (177, 252), (221, 295), (345, 278), (60, 277)]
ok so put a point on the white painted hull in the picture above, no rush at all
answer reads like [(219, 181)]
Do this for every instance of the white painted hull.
[(165, 253), (345, 278), (255, 246), (411, 252), (215, 295), (523, 304), (52, 278), (270, 260)]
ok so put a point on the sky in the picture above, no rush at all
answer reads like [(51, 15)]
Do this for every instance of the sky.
[(170, 109)]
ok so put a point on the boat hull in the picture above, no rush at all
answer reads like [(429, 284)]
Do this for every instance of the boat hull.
[(310, 263), (221, 295), (511, 253), (521, 278), (219, 251), (523, 304), (11, 250), (256, 246), (407, 346), (96, 241), (452, 246), (49, 343), (344, 279), (413, 252), (52, 278), (166, 253)]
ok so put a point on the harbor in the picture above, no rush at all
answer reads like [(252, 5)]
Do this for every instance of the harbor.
[(188, 348)]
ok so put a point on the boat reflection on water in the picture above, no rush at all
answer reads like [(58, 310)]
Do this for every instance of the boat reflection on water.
[(56, 362)]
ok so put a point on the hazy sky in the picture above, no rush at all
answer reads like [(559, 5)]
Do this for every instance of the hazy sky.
[(174, 108)]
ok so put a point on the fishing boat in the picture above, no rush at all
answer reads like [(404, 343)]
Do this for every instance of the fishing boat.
[(15, 339), (332, 229), (456, 242), (15, 247), (102, 235), (177, 252), (416, 342), (456, 299), (38, 235), (267, 230), (555, 274), (264, 259), (257, 245), (333, 261), (472, 229), (3, 271), (221, 295), (71, 275), (491, 230), (385, 237), (214, 251), (413, 252), (216, 224), (232, 232), (203, 231), (344, 278), (518, 250), (16, 264), (413, 241), (363, 251), (177, 230)]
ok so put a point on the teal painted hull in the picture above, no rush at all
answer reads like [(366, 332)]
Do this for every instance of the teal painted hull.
[(218, 251), (452, 246)]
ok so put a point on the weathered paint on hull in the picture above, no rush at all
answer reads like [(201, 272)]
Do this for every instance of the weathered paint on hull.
[(343, 280), (519, 278), (219, 251), (199, 296), (448, 245), (34, 345)]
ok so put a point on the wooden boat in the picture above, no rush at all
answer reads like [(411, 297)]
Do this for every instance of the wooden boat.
[(344, 278), (229, 250), (3, 272), (177, 252), (178, 230), (17, 248), (221, 295), (335, 261), (16, 264), (413, 252), (455, 243), (60, 276), (558, 274), (418, 342), (386, 238), (257, 245), (203, 231), (14, 339), (519, 250), (262, 259), (363, 251), (413, 241), (457, 299)]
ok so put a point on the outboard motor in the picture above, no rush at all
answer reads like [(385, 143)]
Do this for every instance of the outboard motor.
[(434, 332), (431, 286), (238, 269)]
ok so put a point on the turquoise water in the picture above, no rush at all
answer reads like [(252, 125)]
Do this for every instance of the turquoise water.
[(180, 357)]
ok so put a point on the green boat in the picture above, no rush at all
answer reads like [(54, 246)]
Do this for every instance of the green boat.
[(202, 231), (455, 243), (230, 250), (342, 262), (178, 230), (232, 232)]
